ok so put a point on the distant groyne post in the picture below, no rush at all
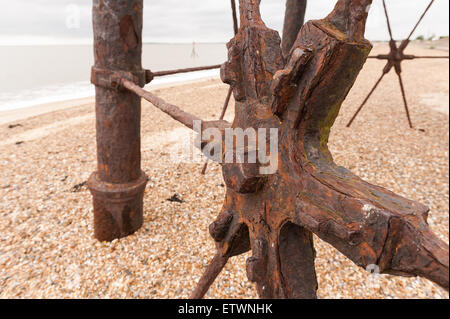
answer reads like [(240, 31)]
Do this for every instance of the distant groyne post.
[(118, 184)]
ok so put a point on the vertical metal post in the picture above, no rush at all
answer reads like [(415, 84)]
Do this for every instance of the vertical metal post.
[(293, 22), (118, 184)]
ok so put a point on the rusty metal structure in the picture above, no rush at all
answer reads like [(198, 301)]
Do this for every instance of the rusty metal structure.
[(394, 60), (297, 87), (118, 184)]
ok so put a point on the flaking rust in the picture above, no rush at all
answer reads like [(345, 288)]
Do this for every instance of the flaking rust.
[(118, 184), (299, 92), (274, 216)]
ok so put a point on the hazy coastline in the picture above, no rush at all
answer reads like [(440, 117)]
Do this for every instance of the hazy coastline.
[(34, 75)]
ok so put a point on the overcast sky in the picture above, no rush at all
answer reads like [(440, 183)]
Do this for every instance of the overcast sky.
[(49, 21)]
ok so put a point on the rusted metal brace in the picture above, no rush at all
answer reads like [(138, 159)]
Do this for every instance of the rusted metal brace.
[(149, 75), (112, 79), (408, 57)]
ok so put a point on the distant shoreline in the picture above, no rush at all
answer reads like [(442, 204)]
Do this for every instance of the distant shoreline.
[(11, 116), (90, 42)]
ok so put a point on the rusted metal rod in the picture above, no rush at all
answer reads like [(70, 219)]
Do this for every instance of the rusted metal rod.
[(227, 102), (388, 21), (366, 99), (118, 184), (222, 116), (418, 22), (430, 57), (406, 41), (210, 275), (174, 111), (149, 75), (235, 19), (293, 21), (409, 57), (405, 102)]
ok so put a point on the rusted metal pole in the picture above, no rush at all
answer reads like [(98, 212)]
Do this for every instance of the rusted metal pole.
[(118, 184), (210, 275), (235, 19), (293, 22)]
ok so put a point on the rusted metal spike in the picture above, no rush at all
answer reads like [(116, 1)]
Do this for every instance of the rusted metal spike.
[(394, 60), (409, 57), (387, 20), (405, 102), (405, 42), (209, 276), (149, 75), (428, 57), (234, 13), (293, 22), (366, 99)]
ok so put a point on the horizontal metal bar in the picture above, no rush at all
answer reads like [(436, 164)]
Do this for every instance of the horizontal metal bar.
[(151, 75), (431, 57), (174, 111), (408, 57)]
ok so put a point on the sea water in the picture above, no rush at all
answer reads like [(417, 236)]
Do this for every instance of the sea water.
[(39, 74)]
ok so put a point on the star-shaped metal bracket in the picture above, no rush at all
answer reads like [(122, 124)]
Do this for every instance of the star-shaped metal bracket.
[(394, 60)]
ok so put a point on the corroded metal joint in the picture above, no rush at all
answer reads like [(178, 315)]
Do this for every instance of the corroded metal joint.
[(219, 228), (256, 264), (117, 207), (112, 79), (149, 76)]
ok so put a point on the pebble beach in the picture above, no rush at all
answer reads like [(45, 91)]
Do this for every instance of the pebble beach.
[(47, 247)]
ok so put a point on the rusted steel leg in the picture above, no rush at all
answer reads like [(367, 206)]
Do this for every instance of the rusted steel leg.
[(405, 102), (235, 20), (118, 185), (296, 243), (214, 268), (366, 99), (405, 42), (284, 267), (293, 21)]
